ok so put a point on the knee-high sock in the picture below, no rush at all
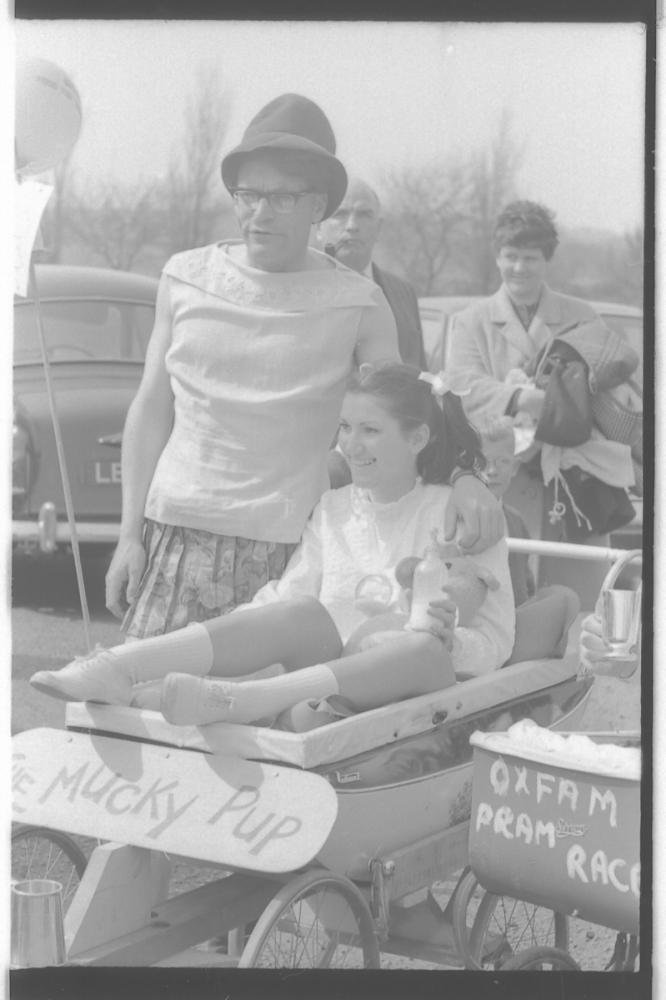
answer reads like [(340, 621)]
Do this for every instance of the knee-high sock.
[(190, 700), (187, 649)]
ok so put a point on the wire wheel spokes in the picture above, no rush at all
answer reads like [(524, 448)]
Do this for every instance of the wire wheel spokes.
[(504, 926), (541, 960), (38, 853), (317, 921)]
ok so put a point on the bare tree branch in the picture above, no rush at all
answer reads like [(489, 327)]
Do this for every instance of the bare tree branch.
[(191, 189), (115, 222)]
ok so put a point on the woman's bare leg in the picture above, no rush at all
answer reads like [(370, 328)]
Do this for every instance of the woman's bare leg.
[(412, 663), (295, 633)]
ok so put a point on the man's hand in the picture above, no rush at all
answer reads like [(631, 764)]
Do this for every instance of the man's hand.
[(480, 512), (124, 575), (593, 652)]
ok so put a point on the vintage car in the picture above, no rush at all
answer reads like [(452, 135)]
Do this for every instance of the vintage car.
[(96, 326)]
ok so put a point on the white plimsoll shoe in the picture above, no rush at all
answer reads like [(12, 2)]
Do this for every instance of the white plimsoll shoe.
[(96, 676), (196, 701)]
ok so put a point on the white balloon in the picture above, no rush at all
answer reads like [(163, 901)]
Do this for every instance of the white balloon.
[(48, 116)]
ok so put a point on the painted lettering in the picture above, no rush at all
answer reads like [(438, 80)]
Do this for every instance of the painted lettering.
[(503, 817), (524, 828), (635, 878), (151, 795), (521, 780), (543, 787), (568, 790), (484, 815), (64, 778), (286, 827), (171, 816), (499, 777), (97, 794), (20, 777), (599, 867), (110, 803), (254, 832), (575, 861), (612, 875), (544, 830), (606, 800), (246, 796)]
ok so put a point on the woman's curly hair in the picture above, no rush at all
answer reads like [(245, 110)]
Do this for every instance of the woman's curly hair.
[(526, 224)]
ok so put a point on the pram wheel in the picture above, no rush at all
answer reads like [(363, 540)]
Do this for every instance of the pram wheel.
[(503, 926), (317, 921), (542, 960), (464, 905), (47, 854)]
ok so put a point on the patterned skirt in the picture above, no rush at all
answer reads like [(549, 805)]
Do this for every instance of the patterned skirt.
[(194, 575)]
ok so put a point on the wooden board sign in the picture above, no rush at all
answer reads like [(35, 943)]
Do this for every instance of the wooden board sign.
[(241, 814)]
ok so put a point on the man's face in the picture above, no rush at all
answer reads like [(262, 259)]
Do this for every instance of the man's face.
[(276, 241), (523, 271), (353, 229)]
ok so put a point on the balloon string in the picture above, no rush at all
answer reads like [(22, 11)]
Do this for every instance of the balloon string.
[(61, 462)]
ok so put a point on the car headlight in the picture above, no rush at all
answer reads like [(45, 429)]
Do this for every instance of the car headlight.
[(23, 462)]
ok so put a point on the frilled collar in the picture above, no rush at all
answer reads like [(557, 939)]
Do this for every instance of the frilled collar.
[(214, 269), (362, 503)]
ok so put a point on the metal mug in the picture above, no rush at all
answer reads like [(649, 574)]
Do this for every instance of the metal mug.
[(37, 928)]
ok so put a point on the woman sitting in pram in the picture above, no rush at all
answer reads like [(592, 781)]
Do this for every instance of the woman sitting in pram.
[(402, 439)]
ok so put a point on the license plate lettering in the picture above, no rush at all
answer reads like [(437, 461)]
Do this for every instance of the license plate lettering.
[(106, 473)]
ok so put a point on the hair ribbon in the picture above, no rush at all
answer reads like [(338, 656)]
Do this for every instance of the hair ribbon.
[(441, 383)]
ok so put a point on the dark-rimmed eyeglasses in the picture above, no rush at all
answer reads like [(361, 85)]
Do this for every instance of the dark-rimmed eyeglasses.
[(282, 202)]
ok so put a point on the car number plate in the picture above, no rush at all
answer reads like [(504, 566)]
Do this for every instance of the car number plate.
[(105, 473)]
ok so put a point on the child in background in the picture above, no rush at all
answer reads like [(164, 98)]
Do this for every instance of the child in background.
[(543, 617)]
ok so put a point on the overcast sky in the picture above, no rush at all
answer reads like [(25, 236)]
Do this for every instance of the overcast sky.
[(396, 94)]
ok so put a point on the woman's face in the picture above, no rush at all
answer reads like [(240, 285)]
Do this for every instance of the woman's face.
[(381, 455), (276, 241), (523, 271)]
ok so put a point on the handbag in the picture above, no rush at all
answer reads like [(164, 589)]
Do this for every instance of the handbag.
[(618, 413), (609, 358), (605, 508), (566, 417)]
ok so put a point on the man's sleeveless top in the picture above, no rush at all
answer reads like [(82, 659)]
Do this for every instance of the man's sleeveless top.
[(258, 364)]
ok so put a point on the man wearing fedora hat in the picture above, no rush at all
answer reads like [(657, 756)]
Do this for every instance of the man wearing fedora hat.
[(225, 444)]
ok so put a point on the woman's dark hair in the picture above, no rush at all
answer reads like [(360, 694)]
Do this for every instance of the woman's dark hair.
[(408, 399), (526, 224), (307, 167)]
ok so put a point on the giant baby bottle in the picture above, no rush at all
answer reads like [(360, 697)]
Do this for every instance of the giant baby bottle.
[(429, 577)]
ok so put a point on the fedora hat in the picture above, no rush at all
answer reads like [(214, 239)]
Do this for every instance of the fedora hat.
[(296, 124)]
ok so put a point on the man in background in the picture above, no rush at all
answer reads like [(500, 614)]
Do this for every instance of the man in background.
[(350, 235)]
